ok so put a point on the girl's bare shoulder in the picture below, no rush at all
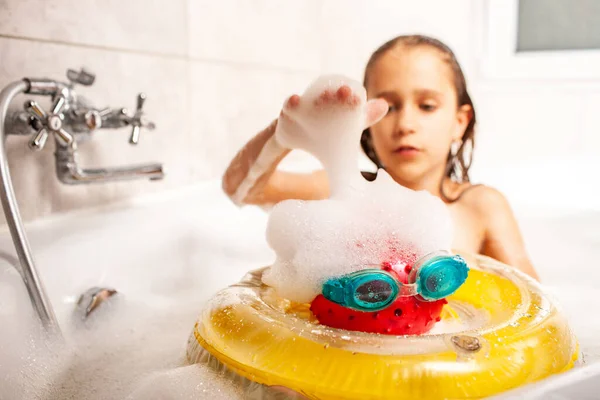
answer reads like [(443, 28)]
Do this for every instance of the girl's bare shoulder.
[(483, 200)]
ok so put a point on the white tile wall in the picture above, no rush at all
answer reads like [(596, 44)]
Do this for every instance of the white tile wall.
[(156, 26), (353, 29), (229, 105), (271, 33), (591, 123), (518, 124), (531, 145), (217, 71)]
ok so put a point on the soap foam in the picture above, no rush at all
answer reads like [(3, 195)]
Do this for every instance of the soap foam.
[(191, 382), (127, 349), (362, 224)]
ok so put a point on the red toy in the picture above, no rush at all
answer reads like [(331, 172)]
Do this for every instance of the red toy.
[(405, 316)]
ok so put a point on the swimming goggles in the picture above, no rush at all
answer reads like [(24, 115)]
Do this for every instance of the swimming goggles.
[(432, 277)]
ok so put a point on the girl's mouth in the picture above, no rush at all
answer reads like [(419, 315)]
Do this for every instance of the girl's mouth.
[(406, 151)]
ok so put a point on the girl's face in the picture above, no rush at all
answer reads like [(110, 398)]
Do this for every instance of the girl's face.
[(413, 140)]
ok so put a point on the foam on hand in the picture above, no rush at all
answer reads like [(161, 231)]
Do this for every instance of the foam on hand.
[(362, 223)]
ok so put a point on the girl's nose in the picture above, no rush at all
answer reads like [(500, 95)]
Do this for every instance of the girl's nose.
[(406, 122)]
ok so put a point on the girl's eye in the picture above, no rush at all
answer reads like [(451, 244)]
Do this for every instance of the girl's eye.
[(392, 108), (428, 107)]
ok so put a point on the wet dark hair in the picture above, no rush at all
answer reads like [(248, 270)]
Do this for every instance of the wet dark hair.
[(457, 165)]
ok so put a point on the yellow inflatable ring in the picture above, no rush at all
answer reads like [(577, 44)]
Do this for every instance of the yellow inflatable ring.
[(499, 331)]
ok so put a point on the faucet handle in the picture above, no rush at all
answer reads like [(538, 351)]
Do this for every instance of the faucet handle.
[(83, 77), (48, 123), (138, 121)]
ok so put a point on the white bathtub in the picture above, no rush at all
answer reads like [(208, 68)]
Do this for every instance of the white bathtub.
[(165, 255), (169, 253)]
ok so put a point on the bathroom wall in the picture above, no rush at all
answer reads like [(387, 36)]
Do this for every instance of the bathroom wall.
[(216, 72), (207, 89)]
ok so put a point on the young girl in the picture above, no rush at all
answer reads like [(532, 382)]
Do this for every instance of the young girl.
[(425, 142)]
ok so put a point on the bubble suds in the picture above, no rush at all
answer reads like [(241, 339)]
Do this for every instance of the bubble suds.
[(126, 348), (190, 382), (361, 224)]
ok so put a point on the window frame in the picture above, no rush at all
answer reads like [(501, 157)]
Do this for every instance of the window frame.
[(501, 59)]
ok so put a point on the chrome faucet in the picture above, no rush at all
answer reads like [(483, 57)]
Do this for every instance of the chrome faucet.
[(70, 119)]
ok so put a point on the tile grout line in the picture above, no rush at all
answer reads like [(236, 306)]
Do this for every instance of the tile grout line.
[(94, 46), (172, 56)]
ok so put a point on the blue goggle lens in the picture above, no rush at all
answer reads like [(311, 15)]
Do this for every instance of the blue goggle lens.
[(367, 290), (441, 277), (373, 293)]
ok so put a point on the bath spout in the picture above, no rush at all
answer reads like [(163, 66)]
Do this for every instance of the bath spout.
[(71, 174)]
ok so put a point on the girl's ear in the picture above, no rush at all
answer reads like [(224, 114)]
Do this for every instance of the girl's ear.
[(463, 117), (376, 109)]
